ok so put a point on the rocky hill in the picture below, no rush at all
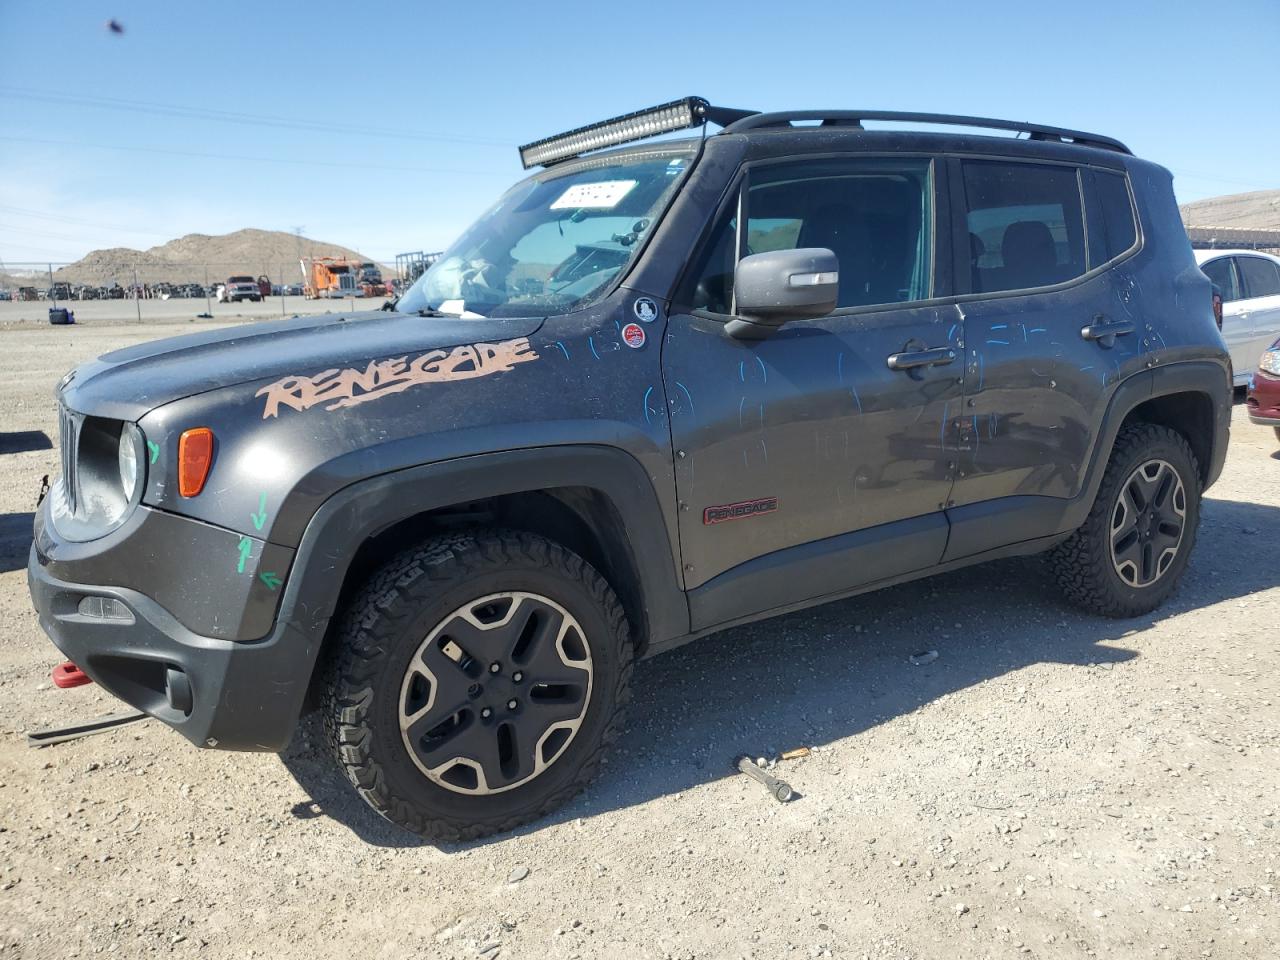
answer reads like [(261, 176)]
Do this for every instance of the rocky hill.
[(253, 252), (1259, 210)]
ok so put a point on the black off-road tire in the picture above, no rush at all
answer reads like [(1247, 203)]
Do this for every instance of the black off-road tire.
[(382, 630), (1083, 564), (1277, 430)]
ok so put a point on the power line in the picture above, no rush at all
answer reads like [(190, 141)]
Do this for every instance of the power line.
[(75, 221), (229, 116), (24, 232), (228, 156)]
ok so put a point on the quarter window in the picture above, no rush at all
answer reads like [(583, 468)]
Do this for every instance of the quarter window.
[(1260, 277), (1222, 273), (1117, 213), (873, 214), (1026, 226)]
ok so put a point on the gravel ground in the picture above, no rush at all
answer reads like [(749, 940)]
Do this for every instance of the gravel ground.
[(97, 313), (1052, 785)]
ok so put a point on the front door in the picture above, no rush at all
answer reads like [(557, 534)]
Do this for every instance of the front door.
[(1260, 277), (796, 441), (1237, 325)]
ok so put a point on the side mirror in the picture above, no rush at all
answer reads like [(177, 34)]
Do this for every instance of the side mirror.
[(772, 288)]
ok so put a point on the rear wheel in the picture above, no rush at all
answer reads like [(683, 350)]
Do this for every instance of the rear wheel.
[(1127, 557), (477, 683)]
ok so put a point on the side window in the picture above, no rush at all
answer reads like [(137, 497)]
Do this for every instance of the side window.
[(874, 214), (1222, 273), (1260, 277), (1117, 213), (1026, 226)]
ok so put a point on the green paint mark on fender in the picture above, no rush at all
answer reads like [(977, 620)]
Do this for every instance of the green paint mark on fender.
[(245, 546), (153, 450), (270, 579), (260, 517)]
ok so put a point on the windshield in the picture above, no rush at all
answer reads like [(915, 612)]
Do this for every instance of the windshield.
[(553, 242)]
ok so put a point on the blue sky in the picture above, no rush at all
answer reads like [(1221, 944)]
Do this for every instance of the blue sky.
[(400, 120)]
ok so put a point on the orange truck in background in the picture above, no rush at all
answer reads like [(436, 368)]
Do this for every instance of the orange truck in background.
[(326, 277)]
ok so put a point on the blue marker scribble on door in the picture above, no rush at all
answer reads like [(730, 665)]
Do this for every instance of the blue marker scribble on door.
[(689, 396)]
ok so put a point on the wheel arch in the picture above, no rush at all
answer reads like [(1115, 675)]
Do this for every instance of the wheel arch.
[(1189, 413), (1192, 397), (597, 501)]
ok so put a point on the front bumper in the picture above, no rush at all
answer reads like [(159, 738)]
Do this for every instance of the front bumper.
[(234, 695)]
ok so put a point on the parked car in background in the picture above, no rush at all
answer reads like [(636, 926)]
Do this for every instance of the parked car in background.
[(1250, 286), (239, 288), (1263, 398)]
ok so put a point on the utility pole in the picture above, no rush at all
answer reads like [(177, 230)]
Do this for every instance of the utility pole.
[(53, 291), (137, 295)]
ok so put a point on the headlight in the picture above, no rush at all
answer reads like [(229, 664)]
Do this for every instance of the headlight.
[(1270, 363), (103, 472), (129, 459)]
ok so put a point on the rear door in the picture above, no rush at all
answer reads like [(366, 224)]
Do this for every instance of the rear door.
[(1260, 278), (1037, 379), (1237, 324)]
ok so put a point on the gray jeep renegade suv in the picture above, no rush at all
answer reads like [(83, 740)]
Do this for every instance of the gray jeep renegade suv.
[(653, 392)]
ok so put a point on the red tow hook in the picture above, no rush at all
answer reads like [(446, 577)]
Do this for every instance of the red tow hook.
[(66, 675)]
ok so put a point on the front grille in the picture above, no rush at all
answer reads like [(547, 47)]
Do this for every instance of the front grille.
[(69, 442)]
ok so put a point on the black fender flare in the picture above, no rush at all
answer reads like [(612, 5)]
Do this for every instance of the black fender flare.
[(362, 509), (1209, 377)]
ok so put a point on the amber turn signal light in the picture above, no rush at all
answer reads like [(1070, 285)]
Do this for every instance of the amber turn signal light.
[(195, 457)]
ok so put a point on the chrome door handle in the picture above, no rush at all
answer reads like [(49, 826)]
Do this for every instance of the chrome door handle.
[(920, 358)]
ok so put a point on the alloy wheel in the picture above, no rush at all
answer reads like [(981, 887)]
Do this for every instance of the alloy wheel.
[(496, 693), (1147, 523)]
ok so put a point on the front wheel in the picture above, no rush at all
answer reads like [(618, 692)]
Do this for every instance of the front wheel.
[(477, 682), (1127, 557)]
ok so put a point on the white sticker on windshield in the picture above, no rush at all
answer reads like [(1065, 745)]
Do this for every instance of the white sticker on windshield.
[(594, 196)]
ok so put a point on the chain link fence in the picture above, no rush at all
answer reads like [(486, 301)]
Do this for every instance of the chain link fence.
[(101, 290)]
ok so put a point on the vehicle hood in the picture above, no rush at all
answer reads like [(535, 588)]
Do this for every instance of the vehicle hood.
[(126, 384)]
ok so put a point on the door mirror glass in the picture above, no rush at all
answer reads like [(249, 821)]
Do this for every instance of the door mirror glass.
[(772, 288)]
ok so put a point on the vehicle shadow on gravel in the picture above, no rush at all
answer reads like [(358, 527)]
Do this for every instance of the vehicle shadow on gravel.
[(832, 672), (15, 540)]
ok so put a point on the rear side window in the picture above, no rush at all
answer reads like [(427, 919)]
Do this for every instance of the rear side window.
[(1222, 273), (1026, 225), (1260, 277), (1117, 213)]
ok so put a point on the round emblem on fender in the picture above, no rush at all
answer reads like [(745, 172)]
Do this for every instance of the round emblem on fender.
[(633, 335), (645, 309)]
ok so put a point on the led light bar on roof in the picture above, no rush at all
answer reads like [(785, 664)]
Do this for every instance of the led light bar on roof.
[(676, 115)]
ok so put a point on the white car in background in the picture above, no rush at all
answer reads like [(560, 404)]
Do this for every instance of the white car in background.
[(1250, 286)]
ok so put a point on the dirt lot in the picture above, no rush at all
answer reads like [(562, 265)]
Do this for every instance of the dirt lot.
[(1053, 785), (98, 313)]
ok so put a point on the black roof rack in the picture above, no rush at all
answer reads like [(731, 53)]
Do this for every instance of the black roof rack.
[(854, 118)]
